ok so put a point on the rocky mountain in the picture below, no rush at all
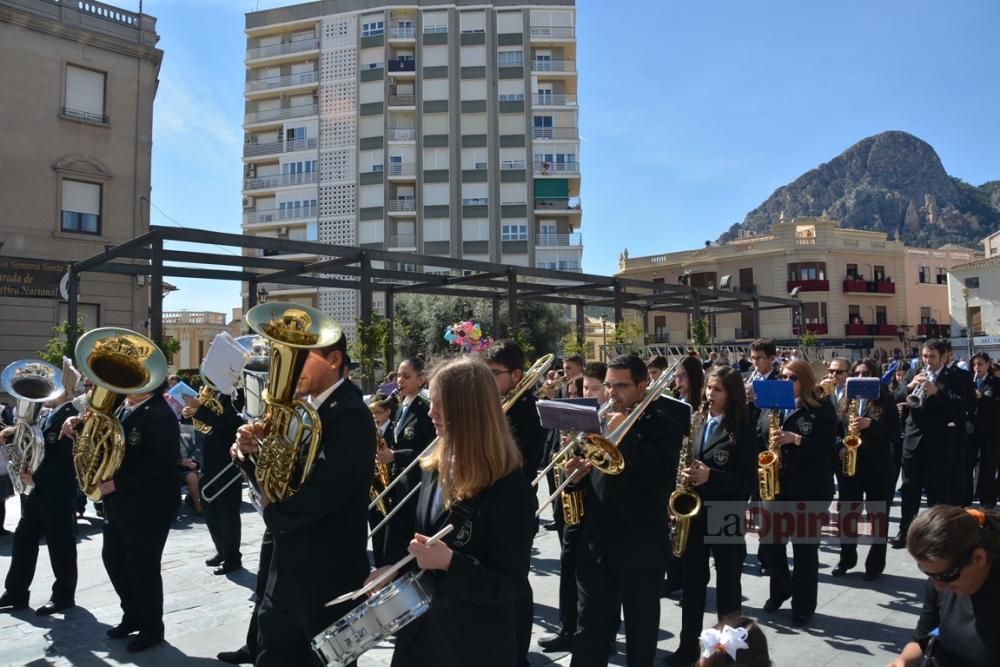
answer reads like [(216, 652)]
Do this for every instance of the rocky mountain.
[(892, 182)]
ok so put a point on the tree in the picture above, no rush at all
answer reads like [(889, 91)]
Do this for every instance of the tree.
[(59, 345), (571, 344), (370, 346), (626, 333), (701, 334)]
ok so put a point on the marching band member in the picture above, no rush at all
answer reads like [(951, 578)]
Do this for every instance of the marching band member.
[(877, 423), (723, 470), (624, 543), (763, 353), (806, 440), (140, 503), (656, 366), (593, 387), (929, 434), (473, 480), (384, 411), (320, 532), (986, 431), (222, 515), (47, 512)]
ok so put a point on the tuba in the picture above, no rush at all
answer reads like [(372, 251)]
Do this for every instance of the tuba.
[(292, 426), (769, 462), (32, 383), (685, 503), (851, 441), (119, 362)]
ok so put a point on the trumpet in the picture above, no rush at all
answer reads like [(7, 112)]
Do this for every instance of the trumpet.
[(916, 399), (549, 388), (769, 462), (851, 441)]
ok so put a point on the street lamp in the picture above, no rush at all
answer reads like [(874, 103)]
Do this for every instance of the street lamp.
[(262, 295), (604, 346)]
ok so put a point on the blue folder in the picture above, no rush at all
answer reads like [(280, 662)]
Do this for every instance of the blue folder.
[(774, 394), (866, 388)]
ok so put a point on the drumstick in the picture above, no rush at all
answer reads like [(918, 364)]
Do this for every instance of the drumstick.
[(374, 583)]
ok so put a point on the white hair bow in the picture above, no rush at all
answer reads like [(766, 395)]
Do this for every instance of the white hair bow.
[(729, 639)]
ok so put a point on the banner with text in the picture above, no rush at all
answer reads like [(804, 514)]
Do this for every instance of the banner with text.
[(31, 278)]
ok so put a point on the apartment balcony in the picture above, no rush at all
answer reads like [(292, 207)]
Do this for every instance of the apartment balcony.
[(513, 165), (740, 332), (557, 205), (657, 338), (284, 113), (541, 33), (402, 101), (278, 181), (558, 133), (278, 147), (809, 285), (553, 100), (563, 66), (401, 242), (309, 79), (869, 329), (403, 134), (557, 168), (401, 206), (402, 32), (198, 318), (283, 49), (559, 240), (402, 170), (407, 66), (933, 330), (272, 215), (855, 286), (816, 328)]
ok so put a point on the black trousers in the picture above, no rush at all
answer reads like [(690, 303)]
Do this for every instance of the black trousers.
[(866, 489), (222, 516), (567, 580), (524, 618), (132, 553), (925, 469), (961, 468), (53, 519), (695, 572), (802, 582), (604, 586), (988, 448), (266, 551)]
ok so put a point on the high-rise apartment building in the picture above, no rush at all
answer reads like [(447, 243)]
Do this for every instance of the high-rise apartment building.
[(439, 129)]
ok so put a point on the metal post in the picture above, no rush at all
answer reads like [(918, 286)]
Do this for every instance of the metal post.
[(581, 325), (366, 311), (156, 291), (496, 317), (511, 303), (73, 298), (390, 361), (756, 317), (618, 303)]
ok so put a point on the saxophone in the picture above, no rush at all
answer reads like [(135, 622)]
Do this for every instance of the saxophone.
[(572, 501), (769, 462), (206, 396), (684, 503), (851, 441)]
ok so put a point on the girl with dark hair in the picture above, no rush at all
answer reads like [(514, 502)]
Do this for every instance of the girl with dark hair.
[(958, 550), (741, 644), (689, 381), (806, 438), (722, 472)]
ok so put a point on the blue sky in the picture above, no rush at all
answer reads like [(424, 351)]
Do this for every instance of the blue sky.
[(692, 113)]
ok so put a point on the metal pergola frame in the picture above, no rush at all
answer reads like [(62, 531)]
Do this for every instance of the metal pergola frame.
[(351, 267)]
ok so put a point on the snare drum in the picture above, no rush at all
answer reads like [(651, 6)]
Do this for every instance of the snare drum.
[(384, 614)]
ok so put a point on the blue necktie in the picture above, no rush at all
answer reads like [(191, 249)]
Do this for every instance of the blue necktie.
[(709, 432), (402, 418)]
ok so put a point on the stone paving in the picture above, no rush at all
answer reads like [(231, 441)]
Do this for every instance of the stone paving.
[(857, 622)]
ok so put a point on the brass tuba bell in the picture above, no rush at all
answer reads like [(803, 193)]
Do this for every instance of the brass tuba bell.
[(119, 362), (32, 383)]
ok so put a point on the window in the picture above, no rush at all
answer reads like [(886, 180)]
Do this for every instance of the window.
[(879, 273), (372, 29), (511, 97), (942, 276), (85, 94), (972, 282), (976, 320), (852, 271), (81, 207), (853, 313), (815, 313), (510, 58), (807, 271), (924, 274), (925, 314), (477, 229), (881, 315), (514, 232)]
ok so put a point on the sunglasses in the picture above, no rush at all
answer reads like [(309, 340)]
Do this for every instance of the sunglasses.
[(793, 378), (952, 574), (837, 372)]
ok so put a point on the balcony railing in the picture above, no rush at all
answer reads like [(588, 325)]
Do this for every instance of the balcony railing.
[(402, 134), (281, 114), (557, 204), (403, 65), (402, 205), (402, 169), (564, 133), (553, 100), (809, 285), (278, 180), (300, 79), (555, 168), (811, 327), (856, 329), (402, 32), (934, 330), (252, 150), (553, 65), (200, 317), (556, 31), (283, 49), (402, 241), (280, 214), (653, 339), (512, 165), (402, 100), (85, 115), (853, 285), (550, 240)]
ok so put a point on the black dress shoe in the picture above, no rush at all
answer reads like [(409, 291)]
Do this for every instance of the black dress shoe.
[(53, 607), (800, 620), (122, 630), (562, 641), (227, 568), (142, 642), (898, 542), (8, 603), (670, 587), (684, 656), (774, 604), (842, 568), (215, 561), (240, 656), (872, 576), (551, 526)]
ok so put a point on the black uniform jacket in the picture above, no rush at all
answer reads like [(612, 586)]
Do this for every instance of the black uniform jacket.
[(625, 516), (930, 421), (875, 453), (732, 462), (146, 481), (218, 442), (412, 435), (806, 469), (55, 478), (471, 620), (526, 427), (321, 532), (987, 419)]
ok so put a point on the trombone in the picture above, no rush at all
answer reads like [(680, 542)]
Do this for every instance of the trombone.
[(529, 380)]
